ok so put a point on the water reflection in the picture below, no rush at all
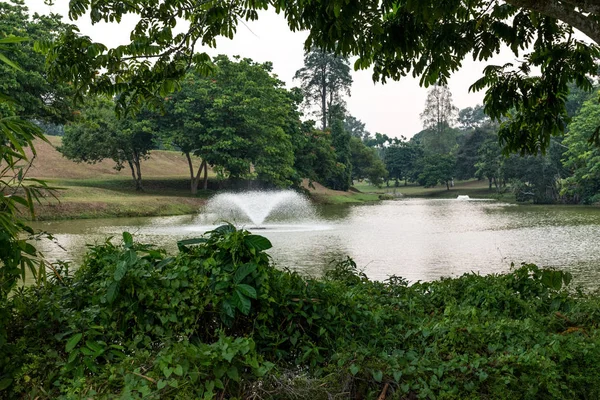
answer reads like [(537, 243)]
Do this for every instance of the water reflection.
[(413, 238)]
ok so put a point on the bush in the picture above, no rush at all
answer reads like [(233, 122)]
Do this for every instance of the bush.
[(218, 321)]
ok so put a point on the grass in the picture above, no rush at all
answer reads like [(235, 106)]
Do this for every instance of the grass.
[(471, 188), (98, 190)]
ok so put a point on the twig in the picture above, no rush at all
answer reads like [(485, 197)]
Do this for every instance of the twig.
[(383, 392), (145, 377)]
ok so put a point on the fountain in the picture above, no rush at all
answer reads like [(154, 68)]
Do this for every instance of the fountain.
[(258, 207)]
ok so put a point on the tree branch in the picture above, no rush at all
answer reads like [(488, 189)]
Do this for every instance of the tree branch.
[(566, 13)]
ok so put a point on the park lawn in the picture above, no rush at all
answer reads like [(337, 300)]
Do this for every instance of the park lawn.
[(472, 188), (98, 190)]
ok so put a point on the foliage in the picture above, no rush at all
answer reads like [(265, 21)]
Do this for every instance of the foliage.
[(36, 97), (314, 154), (97, 133), (239, 120), (401, 160), (217, 320), (324, 79), (341, 178), (366, 163), (581, 158), (430, 40), (535, 178), (18, 195), (468, 151), (489, 162), (436, 169)]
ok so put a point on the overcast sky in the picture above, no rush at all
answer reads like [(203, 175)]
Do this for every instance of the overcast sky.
[(392, 108)]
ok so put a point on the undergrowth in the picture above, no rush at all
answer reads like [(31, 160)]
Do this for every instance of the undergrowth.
[(217, 320)]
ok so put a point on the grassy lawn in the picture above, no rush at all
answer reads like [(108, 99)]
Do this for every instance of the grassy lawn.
[(471, 188), (98, 190)]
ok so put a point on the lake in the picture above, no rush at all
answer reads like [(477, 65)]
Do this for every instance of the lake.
[(418, 239)]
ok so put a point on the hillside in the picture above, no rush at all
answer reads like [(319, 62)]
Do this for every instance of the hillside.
[(50, 164), (98, 190)]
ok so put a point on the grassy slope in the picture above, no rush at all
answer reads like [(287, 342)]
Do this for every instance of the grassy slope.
[(471, 188), (90, 191)]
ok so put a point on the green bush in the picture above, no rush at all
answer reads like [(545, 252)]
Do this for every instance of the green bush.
[(219, 321)]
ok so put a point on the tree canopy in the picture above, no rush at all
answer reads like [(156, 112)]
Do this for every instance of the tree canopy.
[(428, 39)]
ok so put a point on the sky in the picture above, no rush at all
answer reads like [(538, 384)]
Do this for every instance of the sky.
[(392, 108)]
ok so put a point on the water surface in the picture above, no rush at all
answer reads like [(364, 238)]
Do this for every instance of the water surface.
[(418, 239)]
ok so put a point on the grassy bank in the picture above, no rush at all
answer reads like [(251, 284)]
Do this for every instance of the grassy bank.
[(100, 191), (472, 188)]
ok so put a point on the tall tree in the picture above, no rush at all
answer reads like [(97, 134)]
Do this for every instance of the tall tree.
[(98, 134), (438, 116), (324, 79), (430, 40), (236, 121), (356, 127)]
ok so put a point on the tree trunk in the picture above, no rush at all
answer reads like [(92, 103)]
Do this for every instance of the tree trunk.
[(138, 170), (447, 185), (324, 96), (205, 183), (195, 179), (490, 182)]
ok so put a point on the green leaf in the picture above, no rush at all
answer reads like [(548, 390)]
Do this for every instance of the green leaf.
[(232, 373), (178, 370), (5, 383), (161, 384), (127, 239), (72, 342), (120, 271), (377, 375), (244, 271), (257, 242), (111, 293), (188, 242), (354, 369), (247, 290), (13, 39), (241, 302)]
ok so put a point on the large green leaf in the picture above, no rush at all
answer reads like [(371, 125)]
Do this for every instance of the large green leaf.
[(243, 271), (247, 290), (257, 242), (72, 342), (241, 302)]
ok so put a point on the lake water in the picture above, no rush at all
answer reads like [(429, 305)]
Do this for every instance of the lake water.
[(418, 239)]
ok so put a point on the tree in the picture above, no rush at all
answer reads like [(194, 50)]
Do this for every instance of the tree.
[(581, 158), (472, 117), (324, 79), (436, 169), (430, 40), (98, 134), (356, 127), (401, 160), (314, 154), (236, 121), (341, 179), (36, 97), (16, 192), (489, 162), (468, 151), (366, 163), (437, 117)]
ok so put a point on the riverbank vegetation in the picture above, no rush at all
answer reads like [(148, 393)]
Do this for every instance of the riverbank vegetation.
[(217, 320)]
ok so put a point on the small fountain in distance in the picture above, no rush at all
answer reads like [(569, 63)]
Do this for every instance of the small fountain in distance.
[(261, 209)]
